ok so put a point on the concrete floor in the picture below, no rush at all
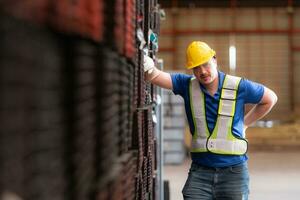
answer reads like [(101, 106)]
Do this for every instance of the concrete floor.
[(273, 176)]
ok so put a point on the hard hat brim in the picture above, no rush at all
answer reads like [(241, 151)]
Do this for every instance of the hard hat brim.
[(212, 54)]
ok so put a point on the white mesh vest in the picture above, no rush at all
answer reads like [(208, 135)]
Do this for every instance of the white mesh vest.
[(221, 140)]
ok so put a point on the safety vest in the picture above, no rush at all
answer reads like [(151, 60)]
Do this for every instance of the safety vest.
[(221, 140)]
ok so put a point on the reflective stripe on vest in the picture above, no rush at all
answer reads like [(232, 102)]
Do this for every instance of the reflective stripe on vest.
[(222, 140)]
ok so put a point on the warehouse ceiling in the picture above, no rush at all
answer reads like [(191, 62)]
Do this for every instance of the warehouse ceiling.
[(227, 3)]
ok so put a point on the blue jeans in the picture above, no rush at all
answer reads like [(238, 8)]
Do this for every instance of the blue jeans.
[(224, 183)]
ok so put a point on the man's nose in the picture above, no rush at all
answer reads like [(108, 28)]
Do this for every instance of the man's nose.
[(201, 70)]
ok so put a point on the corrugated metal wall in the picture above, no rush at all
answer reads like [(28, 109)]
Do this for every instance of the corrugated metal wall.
[(262, 42), (296, 59)]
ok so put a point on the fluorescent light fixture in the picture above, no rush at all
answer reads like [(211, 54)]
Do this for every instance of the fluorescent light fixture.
[(232, 58)]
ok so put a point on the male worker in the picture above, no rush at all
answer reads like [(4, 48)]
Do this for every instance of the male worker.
[(214, 104)]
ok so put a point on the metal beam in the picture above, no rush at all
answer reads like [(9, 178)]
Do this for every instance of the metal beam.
[(226, 31), (226, 3)]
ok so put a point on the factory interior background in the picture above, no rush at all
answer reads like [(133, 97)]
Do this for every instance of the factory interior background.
[(78, 120)]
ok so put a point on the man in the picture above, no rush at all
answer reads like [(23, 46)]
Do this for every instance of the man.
[(214, 104)]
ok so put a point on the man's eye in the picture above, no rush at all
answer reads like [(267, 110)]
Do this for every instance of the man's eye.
[(205, 64)]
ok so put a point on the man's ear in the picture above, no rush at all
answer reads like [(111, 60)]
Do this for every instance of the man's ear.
[(215, 58), (215, 61)]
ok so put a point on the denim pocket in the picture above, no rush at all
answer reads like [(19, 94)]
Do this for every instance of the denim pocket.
[(193, 167), (238, 169)]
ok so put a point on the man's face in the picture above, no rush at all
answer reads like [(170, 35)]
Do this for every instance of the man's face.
[(207, 72)]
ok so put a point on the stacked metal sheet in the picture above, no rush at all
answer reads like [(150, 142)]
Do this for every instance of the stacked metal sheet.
[(75, 109), (130, 29), (35, 11), (107, 114), (31, 113), (82, 17), (125, 112), (129, 163), (114, 25), (83, 123)]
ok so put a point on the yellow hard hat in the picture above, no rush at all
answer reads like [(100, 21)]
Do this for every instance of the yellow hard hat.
[(197, 54)]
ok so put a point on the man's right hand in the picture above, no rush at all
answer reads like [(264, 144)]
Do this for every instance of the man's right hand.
[(148, 64), (156, 76)]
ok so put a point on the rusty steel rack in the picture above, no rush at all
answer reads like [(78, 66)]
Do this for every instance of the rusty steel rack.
[(76, 112)]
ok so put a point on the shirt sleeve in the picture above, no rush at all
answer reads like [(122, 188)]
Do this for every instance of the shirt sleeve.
[(180, 82), (254, 91)]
